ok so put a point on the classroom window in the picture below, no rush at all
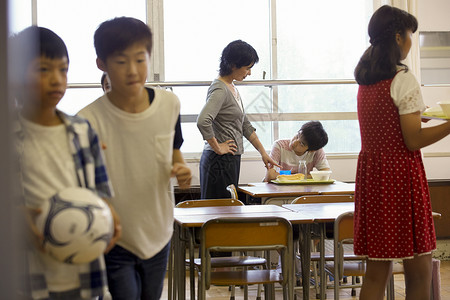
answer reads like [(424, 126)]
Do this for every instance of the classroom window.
[(75, 22), (295, 40)]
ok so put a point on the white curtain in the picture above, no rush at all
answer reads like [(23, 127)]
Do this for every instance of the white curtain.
[(411, 6)]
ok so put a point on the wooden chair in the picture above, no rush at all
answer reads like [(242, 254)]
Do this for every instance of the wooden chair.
[(315, 255), (210, 202), (343, 233), (217, 262), (247, 234), (323, 199), (277, 200), (233, 191)]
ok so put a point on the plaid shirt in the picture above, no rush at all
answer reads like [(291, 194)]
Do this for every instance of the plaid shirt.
[(91, 173)]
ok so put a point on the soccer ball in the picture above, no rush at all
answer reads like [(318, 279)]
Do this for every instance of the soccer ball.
[(77, 225)]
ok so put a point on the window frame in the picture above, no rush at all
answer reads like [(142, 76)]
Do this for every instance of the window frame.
[(156, 77)]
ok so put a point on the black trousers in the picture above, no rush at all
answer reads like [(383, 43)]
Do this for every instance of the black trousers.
[(217, 172)]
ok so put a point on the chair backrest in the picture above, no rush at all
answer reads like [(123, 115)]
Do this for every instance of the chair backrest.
[(233, 192), (278, 200), (252, 234), (323, 199), (343, 227), (343, 233), (245, 232), (210, 202)]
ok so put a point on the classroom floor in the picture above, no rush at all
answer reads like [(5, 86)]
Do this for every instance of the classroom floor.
[(222, 293)]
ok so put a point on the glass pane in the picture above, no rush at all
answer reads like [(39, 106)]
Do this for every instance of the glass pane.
[(19, 15), (317, 98), (321, 39), (195, 33), (76, 25), (193, 140), (264, 132), (75, 99), (343, 135), (256, 99), (192, 99)]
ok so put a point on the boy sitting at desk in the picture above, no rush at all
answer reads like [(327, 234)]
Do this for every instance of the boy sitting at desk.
[(306, 145)]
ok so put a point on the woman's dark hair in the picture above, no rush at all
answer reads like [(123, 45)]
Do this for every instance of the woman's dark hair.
[(119, 33), (314, 134), (237, 54), (380, 60)]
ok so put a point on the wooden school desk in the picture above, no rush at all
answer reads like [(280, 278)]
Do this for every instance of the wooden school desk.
[(271, 190), (186, 218), (323, 213)]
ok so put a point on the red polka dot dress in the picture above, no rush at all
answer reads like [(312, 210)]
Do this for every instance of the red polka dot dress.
[(393, 216)]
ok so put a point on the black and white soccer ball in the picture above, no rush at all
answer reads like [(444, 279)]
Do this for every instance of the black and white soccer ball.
[(77, 225)]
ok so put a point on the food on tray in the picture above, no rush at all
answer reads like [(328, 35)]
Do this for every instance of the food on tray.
[(296, 177), (435, 112)]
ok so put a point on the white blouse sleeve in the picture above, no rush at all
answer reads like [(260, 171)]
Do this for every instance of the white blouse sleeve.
[(406, 93)]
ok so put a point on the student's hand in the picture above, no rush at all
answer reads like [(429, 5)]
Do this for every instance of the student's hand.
[(269, 163), (33, 232), (271, 174), (227, 147), (117, 228), (183, 174)]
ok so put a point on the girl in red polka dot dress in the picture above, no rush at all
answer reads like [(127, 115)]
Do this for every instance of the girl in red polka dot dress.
[(393, 219)]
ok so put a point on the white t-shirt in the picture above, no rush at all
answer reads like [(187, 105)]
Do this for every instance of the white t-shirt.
[(406, 93), (138, 153), (49, 167), (288, 160)]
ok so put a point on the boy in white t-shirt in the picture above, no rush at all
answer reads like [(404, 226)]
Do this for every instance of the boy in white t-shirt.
[(55, 152), (306, 145), (140, 130)]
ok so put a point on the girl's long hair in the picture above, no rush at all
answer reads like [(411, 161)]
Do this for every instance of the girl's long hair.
[(380, 60)]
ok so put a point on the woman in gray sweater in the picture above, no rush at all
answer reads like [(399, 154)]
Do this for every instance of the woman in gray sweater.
[(223, 124)]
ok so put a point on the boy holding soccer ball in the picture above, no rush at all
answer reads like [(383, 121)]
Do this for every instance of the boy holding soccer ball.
[(140, 128), (56, 151)]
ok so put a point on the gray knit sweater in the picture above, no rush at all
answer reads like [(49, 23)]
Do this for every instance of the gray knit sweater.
[(222, 118)]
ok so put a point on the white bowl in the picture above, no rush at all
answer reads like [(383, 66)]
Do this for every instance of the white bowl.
[(445, 106), (320, 175)]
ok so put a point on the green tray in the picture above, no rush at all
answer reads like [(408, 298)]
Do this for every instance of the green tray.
[(435, 114), (307, 181)]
